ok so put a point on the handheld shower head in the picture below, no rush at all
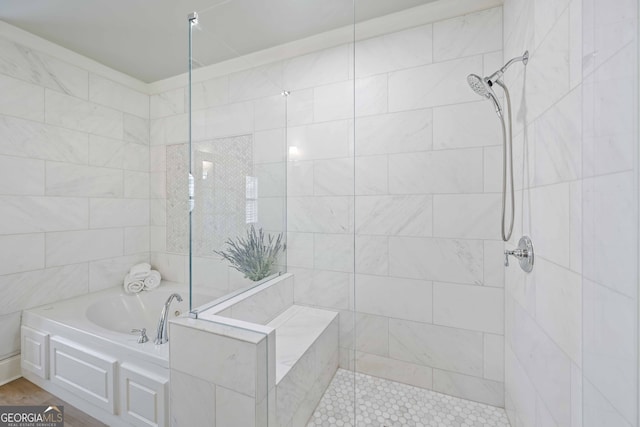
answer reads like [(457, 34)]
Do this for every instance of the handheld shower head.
[(478, 85), (482, 86)]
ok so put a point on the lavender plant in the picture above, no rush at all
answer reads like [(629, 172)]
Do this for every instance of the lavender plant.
[(252, 255)]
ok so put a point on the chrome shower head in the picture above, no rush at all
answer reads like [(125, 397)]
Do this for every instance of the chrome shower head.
[(482, 86), (478, 85)]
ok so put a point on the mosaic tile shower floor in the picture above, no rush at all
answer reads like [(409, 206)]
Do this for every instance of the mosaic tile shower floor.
[(383, 403)]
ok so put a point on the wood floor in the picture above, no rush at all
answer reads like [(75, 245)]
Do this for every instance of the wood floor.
[(23, 392)]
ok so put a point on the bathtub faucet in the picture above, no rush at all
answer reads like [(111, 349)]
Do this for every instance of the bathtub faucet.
[(162, 335)]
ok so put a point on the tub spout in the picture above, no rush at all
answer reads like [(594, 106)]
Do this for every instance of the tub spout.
[(162, 335)]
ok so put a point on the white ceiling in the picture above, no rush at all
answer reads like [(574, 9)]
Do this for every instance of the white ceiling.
[(147, 39)]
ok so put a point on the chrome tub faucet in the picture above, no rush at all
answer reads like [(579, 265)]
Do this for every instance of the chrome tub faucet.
[(162, 335)]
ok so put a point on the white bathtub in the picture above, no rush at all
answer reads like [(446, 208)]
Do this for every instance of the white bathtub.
[(82, 350)]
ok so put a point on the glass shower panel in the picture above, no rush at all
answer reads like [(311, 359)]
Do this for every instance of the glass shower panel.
[(238, 163), (270, 157)]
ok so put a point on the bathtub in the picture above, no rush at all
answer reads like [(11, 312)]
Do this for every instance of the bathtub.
[(82, 351)]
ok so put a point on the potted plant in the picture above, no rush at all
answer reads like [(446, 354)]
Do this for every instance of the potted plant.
[(253, 255)]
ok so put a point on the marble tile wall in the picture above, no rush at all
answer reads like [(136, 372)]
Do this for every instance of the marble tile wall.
[(425, 208), (426, 154), (428, 279), (74, 182), (571, 356), (222, 373)]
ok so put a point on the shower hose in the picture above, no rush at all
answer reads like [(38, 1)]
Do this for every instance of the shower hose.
[(507, 145)]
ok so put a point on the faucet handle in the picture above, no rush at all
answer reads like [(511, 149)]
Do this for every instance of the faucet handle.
[(523, 253), (143, 335)]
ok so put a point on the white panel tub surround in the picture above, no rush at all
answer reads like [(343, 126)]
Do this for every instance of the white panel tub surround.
[(83, 372), (82, 351), (143, 396), (35, 352)]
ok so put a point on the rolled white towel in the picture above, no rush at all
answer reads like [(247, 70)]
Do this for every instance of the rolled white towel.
[(132, 286), (152, 281), (140, 271)]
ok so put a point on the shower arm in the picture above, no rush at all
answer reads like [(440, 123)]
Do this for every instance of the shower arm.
[(495, 76)]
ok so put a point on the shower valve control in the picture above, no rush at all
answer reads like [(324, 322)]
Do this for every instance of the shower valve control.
[(524, 253)]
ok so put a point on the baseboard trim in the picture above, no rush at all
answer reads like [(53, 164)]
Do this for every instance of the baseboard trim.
[(10, 369)]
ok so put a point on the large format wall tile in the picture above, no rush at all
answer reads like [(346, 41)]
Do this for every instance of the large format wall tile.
[(559, 306), (318, 68), (396, 51), (476, 308), (403, 132), (319, 214), (111, 94), (21, 99), (70, 247), (333, 252), (394, 215), (41, 69), (468, 35), (136, 129), (21, 252), (265, 80), (395, 370), (446, 171), (175, 129), (610, 363), (481, 126), (76, 114), (25, 138), (109, 272), (319, 141), (371, 95), (437, 346), (545, 363), (107, 152), (558, 142), (26, 290), (468, 216), (446, 260), (432, 85), (333, 177), (106, 213), (172, 102), (387, 296), (64, 179), (520, 397), (21, 176), (469, 387), (333, 102), (28, 214)]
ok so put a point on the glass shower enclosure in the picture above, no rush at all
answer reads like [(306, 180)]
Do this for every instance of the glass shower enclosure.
[(260, 171), (343, 213)]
